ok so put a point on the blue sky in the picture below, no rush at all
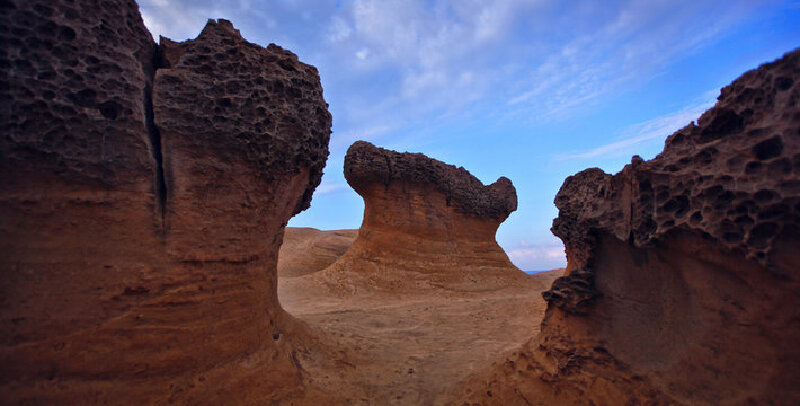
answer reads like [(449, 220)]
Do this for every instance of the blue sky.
[(532, 90)]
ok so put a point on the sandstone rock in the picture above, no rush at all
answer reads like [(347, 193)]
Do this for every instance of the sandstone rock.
[(308, 250), (683, 278), (367, 166), (228, 110), (144, 198), (426, 225)]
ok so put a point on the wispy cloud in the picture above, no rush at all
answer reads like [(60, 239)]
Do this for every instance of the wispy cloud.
[(171, 18), (327, 188), (402, 72), (371, 132), (538, 257), (339, 29), (418, 60), (655, 129), (624, 48)]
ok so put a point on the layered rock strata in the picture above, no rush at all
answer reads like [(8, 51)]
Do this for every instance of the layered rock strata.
[(426, 225), (145, 191), (683, 283), (308, 250)]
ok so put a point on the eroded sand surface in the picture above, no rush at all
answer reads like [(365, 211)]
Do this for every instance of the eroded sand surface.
[(410, 348)]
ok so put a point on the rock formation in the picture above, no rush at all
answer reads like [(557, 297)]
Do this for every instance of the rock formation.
[(308, 250), (683, 283), (426, 225), (144, 195)]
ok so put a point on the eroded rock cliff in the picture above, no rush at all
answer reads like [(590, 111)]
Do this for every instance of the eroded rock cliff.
[(683, 283), (145, 191), (426, 225)]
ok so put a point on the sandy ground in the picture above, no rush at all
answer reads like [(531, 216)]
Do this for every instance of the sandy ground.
[(409, 349)]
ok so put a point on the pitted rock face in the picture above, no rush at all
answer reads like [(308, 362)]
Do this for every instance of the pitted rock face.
[(678, 268), (226, 108), (256, 105), (142, 205), (366, 164), (71, 76), (732, 176)]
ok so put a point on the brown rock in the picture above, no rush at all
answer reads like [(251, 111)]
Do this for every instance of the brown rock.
[(366, 166), (308, 250), (426, 225), (142, 208), (261, 112), (683, 275)]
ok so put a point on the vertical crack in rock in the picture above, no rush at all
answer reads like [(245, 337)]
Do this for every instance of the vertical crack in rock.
[(98, 303), (156, 151), (388, 180)]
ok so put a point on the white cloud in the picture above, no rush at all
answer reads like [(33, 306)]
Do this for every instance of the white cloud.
[(368, 133), (430, 45), (415, 85), (657, 128), (339, 30), (327, 188), (625, 50), (538, 257), (172, 19), (563, 57)]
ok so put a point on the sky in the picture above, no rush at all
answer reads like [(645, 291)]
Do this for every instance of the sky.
[(532, 90)]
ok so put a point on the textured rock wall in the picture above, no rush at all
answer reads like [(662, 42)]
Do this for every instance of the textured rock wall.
[(144, 198), (263, 115), (683, 282), (366, 166), (426, 224)]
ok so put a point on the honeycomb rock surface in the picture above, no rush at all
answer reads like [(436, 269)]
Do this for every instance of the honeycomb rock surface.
[(734, 176), (683, 277), (367, 165), (72, 77), (144, 197), (259, 106), (227, 109)]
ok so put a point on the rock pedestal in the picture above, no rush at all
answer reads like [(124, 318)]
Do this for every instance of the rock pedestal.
[(145, 193)]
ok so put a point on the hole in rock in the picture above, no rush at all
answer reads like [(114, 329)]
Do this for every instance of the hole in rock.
[(767, 149), (783, 83), (762, 233)]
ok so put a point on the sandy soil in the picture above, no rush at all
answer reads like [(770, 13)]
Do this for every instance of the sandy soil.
[(308, 250), (410, 348)]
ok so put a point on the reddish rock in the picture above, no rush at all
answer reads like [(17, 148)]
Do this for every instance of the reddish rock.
[(683, 278), (144, 198), (426, 225), (229, 110), (366, 166)]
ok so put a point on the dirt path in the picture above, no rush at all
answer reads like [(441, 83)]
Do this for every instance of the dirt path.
[(408, 349)]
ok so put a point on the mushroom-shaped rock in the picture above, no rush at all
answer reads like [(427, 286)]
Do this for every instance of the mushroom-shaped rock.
[(366, 166), (230, 110), (426, 225), (144, 196)]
